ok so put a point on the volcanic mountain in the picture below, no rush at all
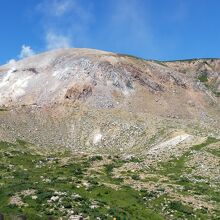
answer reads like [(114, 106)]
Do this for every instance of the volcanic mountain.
[(88, 134), (90, 100)]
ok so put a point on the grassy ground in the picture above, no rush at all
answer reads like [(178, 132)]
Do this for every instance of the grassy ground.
[(61, 184), (44, 185)]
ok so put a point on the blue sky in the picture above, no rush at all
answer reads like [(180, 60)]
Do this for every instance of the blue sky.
[(152, 29)]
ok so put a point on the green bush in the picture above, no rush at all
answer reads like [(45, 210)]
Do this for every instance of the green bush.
[(203, 78), (135, 177), (96, 158), (109, 168), (178, 206)]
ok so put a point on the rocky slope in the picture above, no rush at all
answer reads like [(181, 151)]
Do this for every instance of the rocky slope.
[(87, 100)]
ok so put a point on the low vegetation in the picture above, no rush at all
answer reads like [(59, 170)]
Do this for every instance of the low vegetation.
[(203, 78), (64, 184)]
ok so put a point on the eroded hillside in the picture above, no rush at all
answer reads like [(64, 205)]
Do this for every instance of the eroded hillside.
[(85, 99)]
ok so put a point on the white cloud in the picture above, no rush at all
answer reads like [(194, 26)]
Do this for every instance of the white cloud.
[(65, 22), (56, 7), (11, 61), (26, 51), (61, 7), (55, 41)]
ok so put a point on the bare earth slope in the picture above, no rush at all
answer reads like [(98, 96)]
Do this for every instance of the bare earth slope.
[(88, 99)]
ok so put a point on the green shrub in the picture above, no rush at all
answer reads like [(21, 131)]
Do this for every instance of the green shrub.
[(135, 177), (203, 78), (109, 168), (178, 206), (96, 158)]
